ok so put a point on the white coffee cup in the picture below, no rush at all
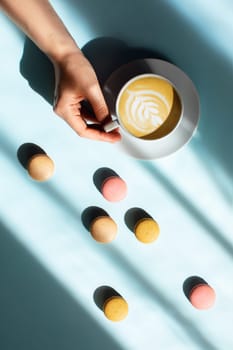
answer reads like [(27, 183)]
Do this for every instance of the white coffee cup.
[(148, 107)]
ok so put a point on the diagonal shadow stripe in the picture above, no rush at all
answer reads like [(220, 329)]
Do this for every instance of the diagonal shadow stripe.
[(165, 303), (224, 183), (155, 293), (37, 312), (211, 230)]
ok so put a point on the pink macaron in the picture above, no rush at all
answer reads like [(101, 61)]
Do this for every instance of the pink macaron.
[(114, 189), (202, 296)]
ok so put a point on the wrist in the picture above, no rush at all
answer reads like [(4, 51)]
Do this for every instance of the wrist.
[(62, 49)]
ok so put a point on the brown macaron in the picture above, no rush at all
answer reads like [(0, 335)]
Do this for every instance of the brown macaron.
[(103, 229), (40, 167)]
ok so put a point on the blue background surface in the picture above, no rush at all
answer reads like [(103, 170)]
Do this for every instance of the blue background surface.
[(50, 266)]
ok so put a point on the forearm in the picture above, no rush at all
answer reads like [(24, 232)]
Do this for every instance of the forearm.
[(39, 21)]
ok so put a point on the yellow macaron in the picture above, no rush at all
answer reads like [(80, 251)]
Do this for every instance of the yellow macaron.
[(146, 230), (116, 308)]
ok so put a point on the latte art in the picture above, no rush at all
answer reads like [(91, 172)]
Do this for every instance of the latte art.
[(143, 109), (144, 104)]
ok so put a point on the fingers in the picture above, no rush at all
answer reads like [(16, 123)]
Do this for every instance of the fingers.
[(73, 89), (75, 116), (92, 132), (97, 101)]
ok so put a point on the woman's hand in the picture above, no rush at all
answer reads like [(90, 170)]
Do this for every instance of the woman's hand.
[(75, 78), (76, 82)]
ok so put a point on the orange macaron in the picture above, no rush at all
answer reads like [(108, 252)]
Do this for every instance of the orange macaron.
[(116, 308), (146, 230)]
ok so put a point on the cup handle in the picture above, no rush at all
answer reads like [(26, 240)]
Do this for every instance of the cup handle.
[(110, 126)]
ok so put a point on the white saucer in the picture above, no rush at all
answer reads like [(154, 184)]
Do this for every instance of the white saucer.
[(148, 149)]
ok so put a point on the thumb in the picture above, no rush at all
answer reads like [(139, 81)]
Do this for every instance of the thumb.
[(97, 101)]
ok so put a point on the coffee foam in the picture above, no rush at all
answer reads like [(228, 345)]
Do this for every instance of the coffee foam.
[(142, 109), (144, 105)]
